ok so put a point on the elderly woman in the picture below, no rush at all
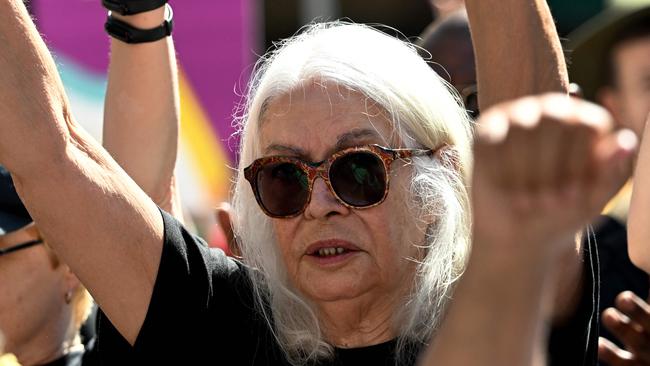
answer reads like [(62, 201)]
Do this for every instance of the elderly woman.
[(335, 166), (351, 202)]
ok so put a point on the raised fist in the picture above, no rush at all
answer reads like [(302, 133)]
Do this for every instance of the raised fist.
[(545, 166)]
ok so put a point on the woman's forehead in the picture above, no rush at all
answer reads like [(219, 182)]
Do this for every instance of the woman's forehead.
[(317, 118)]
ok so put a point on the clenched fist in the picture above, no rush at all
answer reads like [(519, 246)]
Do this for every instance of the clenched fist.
[(545, 166)]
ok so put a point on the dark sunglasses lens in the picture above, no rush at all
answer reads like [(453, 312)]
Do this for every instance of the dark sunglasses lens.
[(359, 178), (283, 188)]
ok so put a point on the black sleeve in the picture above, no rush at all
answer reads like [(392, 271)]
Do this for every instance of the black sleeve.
[(575, 343), (201, 303)]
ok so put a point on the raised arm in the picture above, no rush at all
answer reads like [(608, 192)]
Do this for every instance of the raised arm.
[(524, 220), (517, 50), (638, 222), (518, 53), (88, 209), (142, 113)]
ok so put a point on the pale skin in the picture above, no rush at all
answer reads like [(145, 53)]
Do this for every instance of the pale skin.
[(631, 103), (34, 316), (77, 180), (539, 65), (141, 133), (638, 232), (355, 300), (523, 219), (142, 111)]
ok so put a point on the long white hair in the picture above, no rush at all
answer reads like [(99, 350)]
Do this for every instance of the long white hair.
[(424, 113)]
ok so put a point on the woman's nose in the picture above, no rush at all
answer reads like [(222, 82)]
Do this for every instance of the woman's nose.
[(323, 203)]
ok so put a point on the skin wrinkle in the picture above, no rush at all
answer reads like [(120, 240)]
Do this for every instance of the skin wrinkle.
[(81, 149), (381, 112), (356, 302), (83, 184), (343, 141)]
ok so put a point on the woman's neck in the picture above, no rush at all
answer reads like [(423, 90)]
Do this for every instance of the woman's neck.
[(358, 322), (47, 352)]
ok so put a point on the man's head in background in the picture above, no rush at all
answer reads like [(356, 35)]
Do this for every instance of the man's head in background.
[(42, 304), (610, 58), (449, 44)]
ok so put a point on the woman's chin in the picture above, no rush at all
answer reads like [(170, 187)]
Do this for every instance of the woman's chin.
[(335, 287)]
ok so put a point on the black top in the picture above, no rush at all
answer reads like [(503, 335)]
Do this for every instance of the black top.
[(13, 214), (618, 274), (202, 312), (576, 341)]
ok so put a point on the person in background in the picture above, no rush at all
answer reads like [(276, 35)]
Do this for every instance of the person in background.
[(42, 303), (610, 59), (447, 46)]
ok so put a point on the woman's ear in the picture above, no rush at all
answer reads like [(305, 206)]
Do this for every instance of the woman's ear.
[(70, 283), (224, 216)]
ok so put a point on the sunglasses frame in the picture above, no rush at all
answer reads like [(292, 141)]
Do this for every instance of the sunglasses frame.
[(21, 246), (321, 169)]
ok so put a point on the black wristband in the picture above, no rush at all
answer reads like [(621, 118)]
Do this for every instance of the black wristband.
[(130, 34), (130, 7)]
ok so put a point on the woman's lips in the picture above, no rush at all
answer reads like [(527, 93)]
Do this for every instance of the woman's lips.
[(330, 252)]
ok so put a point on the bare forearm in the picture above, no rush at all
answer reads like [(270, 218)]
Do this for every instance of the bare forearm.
[(102, 225), (517, 50), (638, 225), (97, 219), (142, 113), (496, 316), (33, 109)]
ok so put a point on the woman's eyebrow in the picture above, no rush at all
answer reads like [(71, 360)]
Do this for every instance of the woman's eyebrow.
[(345, 140), (284, 149), (350, 138)]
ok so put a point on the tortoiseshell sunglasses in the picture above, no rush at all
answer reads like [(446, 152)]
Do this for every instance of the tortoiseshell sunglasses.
[(358, 178)]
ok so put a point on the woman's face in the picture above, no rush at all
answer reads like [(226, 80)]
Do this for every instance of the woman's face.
[(378, 264)]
